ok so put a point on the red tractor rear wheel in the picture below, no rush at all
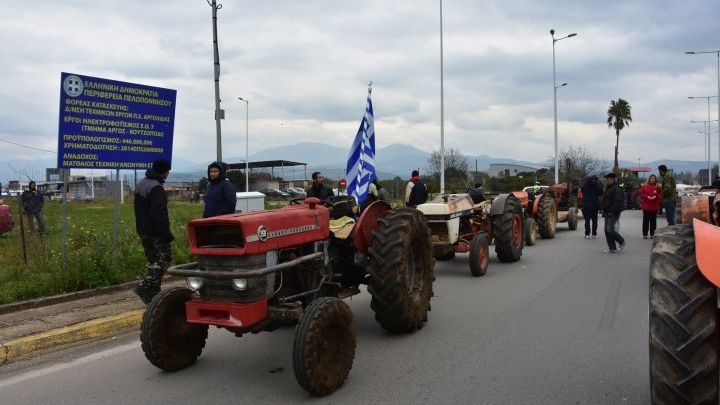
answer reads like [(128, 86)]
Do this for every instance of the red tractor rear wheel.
[(401, 270), (683, 323), (508, 231), (546, 216), (324, 347)]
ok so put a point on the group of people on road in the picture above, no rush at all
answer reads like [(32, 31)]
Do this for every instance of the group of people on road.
[(610, 200)]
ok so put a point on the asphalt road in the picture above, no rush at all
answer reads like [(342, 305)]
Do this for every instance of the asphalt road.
[(565, 325)]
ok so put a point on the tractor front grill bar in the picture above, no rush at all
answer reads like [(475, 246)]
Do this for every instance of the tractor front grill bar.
[(191, 269)]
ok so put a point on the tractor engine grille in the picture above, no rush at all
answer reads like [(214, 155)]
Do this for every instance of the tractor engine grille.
[(257, 288), (439, 231)]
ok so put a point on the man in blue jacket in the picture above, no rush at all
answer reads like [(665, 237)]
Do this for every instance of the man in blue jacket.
[(220, 197)]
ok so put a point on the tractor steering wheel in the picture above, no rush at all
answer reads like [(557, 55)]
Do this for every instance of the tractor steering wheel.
[(301, 201)]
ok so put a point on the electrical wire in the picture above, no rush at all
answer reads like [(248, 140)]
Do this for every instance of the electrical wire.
[(25, 146)]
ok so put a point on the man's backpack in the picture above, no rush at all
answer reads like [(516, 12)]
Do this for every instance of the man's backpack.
[(418, 194)]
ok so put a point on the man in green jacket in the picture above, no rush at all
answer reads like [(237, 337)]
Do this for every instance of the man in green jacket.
[(669, 194)]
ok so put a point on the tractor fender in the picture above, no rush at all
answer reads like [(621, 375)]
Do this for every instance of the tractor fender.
[(498, 204), (536, 203), (694, 207), (366, 224), (707, 240)]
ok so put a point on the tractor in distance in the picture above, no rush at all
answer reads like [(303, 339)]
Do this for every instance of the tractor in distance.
[(461, 223), (684, 325), (258, 271)]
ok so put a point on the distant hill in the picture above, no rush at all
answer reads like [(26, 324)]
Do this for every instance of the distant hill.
[(390, 161)]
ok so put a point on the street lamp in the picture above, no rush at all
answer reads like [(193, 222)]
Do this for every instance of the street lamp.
[(247, 139), (442, 110), (555, 87), (717, 53), (707, 129), (707, 134)]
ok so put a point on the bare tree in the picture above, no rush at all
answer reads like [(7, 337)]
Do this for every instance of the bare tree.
[(577, 162), (454, 161)]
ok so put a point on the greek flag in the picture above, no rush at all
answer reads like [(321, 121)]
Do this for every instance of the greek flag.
[(361, 161)]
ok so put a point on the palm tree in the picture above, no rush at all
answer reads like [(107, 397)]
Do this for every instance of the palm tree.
[(618, 117)]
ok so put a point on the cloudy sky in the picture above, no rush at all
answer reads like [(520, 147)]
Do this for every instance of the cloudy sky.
[(305, 66)]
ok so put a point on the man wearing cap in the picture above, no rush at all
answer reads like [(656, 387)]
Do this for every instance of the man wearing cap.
[(153, 227), (669, 194), (612, 205)]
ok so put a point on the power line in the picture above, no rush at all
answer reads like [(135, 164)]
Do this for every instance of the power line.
[(29, 147)]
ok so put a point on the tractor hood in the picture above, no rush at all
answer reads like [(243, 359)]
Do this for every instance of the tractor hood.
[(448, 205), (258, 232)]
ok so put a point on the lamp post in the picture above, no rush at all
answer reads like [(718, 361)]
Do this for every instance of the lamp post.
[(219, 113), (442, 110), (708, 156), (555, 87), (717, 53), (707, 142), (247, 140)]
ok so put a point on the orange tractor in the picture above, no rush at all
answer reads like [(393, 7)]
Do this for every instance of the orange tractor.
[(683, 321), (545, 208)]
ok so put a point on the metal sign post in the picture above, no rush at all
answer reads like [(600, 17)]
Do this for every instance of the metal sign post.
[(64, 219), (116, 213)]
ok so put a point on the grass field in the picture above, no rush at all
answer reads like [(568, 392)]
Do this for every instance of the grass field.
[(93, 260)]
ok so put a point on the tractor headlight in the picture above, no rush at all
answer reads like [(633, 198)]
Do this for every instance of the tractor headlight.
[(194, 283), (240, 284)]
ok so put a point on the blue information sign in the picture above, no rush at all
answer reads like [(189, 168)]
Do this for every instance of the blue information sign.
[(107, 124)]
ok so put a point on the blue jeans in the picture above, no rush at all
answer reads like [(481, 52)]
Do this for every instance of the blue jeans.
[(611, 235), (670, 212)]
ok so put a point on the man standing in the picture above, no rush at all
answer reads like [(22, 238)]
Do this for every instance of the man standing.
[(612, 206), (33, 205), (669, 194), (415, 191), (591, 191), (153, 227), (318, 189), (220, 198)]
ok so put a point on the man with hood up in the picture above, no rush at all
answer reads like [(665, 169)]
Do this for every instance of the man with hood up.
[(153, 227), (220, 197)]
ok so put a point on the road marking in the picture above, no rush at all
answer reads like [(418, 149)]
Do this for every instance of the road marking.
[(30, 375)]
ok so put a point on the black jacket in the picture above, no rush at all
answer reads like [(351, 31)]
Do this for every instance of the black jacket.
[(322, 192), (613, 200), (32, 201), (151, 213), (591, 190), (220, 197)]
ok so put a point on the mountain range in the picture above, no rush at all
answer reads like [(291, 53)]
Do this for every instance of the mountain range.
[(390, 161)]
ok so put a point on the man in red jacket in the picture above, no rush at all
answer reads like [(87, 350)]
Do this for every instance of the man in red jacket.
[(651, 197)]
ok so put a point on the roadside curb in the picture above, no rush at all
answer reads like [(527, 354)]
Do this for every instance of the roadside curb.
[(60, 338), (57, 299)]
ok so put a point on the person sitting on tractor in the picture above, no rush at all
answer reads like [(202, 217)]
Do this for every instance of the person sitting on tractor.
[(477, 193), (537, 188), (716, 182), (318, 189)]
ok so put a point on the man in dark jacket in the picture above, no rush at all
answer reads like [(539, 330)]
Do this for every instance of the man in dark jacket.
[(32, 202), (318, 189), (591, 191), (220, 197), (612, 205), (153, 227)]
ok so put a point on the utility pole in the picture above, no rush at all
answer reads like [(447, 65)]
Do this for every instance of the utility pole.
[(219, 113)]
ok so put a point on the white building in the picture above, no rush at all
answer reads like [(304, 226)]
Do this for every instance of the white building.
[(510, 169)]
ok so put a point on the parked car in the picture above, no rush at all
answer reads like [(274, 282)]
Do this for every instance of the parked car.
[(271, 192), (294, 193)]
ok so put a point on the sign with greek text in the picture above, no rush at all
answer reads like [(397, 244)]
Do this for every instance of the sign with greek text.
[(107, 124)]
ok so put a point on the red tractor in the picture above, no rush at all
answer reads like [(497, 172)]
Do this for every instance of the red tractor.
[(258, 271), (684, 322)]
